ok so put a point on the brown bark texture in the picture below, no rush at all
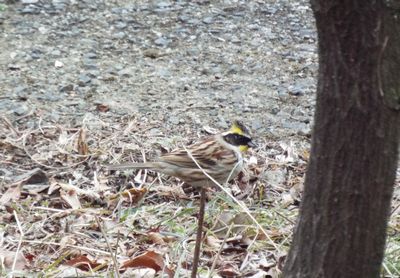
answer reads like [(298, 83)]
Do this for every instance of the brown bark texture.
[(341, 229)]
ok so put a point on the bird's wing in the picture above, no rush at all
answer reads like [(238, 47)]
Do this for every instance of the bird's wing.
[(181, 159), (208, 154)]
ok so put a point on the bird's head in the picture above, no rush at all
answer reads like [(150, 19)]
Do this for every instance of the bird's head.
[(239, 136)]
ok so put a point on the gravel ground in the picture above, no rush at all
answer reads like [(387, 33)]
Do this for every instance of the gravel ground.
[(186, 63), (140, 76)]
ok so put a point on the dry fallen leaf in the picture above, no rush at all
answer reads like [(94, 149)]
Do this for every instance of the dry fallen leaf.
[(100, 183), (88, 193), (287, 200), (133, 195), (150, 259), (8, 257), (229, 271), (289, 153), (67, 240), (71, 198), (12, 194), (34, 189), (83, 263), (171, 191), (213, 242), (156, 238), (33, 176)]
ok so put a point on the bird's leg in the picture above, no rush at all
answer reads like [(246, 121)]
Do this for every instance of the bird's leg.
[(197, 247)]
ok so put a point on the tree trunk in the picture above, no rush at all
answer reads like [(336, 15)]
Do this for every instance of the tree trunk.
[(341, 229)]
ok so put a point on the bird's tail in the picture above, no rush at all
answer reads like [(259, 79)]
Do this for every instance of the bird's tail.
[(126, 166)]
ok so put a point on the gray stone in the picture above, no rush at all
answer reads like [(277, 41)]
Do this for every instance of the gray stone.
[(67, 88), (161, 42), (257, 124), (120, 25), (275, 110), (305, 130), (89, 64), (83, 80), (163, 72), (301, 87), (193, 21), (13, 67), (36, 53), (126, 72), (152, 53), (20, 109), (30, 9), (297, 127), (27, 2), (163, 4), (5, 104), (20, 90), (119, 35), (174, 120), (55, 53), (208, 20), (90, 55), (233, 69), (50, 96), (184, 18)]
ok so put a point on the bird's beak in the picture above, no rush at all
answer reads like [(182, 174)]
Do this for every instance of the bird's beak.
[(251, 145)]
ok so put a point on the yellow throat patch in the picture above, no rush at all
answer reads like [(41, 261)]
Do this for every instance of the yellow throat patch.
[(243, 148)]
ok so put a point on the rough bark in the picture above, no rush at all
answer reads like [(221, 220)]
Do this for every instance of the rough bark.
[(341, 229)]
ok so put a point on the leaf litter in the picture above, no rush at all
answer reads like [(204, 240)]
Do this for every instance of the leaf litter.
[(148, 222)]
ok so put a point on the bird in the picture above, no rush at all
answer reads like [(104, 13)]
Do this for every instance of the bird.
[(219, 155)]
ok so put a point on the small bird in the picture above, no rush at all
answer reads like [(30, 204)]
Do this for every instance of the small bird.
[(220, 156)]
